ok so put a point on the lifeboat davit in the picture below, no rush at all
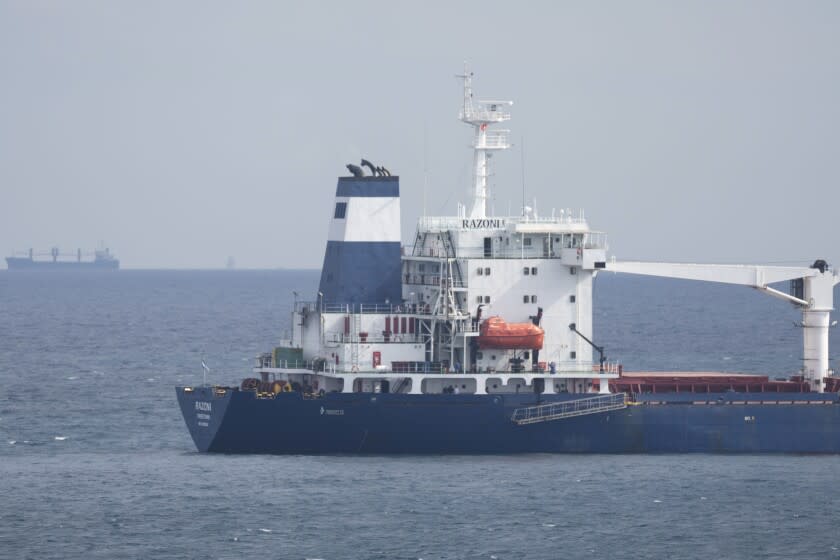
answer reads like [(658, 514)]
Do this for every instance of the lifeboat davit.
[(494, 332)]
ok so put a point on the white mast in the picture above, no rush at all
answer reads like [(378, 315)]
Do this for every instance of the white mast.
[(481, 115)]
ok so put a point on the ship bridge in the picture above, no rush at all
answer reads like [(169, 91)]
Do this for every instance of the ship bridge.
[(510, 237)]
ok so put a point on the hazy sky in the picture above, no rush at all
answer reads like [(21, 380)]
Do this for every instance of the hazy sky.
[(181, 133)]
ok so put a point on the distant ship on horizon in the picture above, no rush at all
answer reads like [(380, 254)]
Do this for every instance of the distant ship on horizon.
[(102, 260)]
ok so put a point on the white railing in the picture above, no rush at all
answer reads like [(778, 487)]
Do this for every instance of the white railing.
[(443, 223), (533, 252), (581, 369), (352, 308), (568, 409), (431, 280), (487, 115), (609, 367), (493, 140), (378, 337)]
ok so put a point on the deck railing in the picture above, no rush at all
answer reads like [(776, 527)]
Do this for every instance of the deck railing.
[(568, 409), (443, 223), (350, 308)]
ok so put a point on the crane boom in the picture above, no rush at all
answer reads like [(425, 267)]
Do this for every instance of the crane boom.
[(816, 300)]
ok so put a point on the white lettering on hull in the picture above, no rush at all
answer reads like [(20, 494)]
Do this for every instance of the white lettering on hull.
[(201, 408), (332, 411)]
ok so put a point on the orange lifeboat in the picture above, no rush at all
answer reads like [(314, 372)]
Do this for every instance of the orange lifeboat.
[(494, 332)]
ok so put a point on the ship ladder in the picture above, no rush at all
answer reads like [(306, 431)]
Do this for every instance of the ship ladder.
[(401, 384), (450, 252), (569, 409), (354, 345)]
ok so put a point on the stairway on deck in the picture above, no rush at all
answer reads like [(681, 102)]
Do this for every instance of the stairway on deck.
[(568, 409)]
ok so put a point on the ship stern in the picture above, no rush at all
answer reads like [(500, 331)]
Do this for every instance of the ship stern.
[(203, 409)]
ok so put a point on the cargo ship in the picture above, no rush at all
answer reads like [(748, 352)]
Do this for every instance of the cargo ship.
[(477, 337), (55, 260)]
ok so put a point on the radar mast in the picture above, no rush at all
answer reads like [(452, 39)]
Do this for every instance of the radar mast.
[(482, 114)]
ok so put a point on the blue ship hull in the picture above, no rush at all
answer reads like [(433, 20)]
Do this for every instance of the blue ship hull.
[(239, 422)]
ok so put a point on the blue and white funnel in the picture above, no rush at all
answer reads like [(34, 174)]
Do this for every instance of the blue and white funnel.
[(362, 261)]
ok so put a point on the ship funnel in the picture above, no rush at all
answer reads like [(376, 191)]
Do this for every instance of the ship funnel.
[(820, 265), (362, 262)]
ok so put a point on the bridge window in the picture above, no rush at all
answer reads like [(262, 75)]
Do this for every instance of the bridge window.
[(479, 299), (572, 299), (525, 299), (487, 271), (526, 271), (486, 299), (533, 299), (480, 271), (534, 271), (573, 354), (340, 210)]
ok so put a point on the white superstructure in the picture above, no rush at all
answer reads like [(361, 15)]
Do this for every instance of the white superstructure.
[(458, 271)]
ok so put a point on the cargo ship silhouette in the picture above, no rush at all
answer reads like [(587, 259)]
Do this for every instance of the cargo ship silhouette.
[(393, 354)]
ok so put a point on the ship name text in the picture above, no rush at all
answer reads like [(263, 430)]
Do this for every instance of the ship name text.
[(203, 406), (484, 223)]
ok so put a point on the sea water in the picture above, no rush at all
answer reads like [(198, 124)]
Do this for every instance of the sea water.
[(95, 461)]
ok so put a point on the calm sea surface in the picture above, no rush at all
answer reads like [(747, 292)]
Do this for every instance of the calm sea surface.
[(95, 461)]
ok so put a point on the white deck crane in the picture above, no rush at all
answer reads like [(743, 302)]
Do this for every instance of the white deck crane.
[(816, 299)]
